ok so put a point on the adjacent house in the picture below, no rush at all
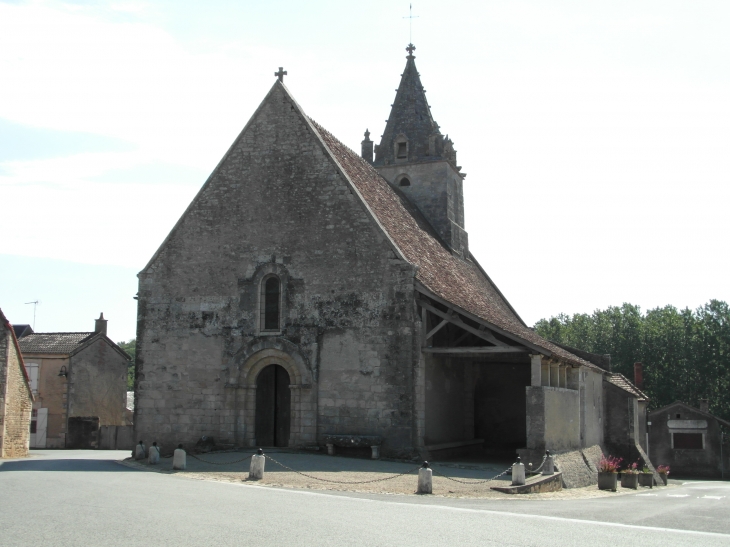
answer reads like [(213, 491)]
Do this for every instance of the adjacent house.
[(79, 380), (16, 398), (691, 441)]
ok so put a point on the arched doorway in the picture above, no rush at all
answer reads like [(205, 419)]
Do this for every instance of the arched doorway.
[(273, 406)]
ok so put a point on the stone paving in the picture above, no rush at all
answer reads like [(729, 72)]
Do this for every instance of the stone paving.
[(350, 474)]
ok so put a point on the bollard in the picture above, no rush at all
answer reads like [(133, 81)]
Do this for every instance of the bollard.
[(154, 454), (425, 479), (179, 458), (330, 450), (375, 452), (549, 468), (140, 452), (256, 471), (518, 473)]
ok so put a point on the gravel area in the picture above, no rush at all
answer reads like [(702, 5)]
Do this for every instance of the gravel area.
[(359, 475)]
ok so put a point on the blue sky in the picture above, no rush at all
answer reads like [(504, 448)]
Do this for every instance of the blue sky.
[(595, 135)]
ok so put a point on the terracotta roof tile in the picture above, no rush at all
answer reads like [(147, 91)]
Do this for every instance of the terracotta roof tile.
[(460, 282), (620, 381)]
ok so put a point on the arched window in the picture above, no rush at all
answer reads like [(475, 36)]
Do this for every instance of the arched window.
[(405, 182), (270, 303)]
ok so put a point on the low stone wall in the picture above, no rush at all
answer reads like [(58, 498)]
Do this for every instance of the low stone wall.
[(536, 485)]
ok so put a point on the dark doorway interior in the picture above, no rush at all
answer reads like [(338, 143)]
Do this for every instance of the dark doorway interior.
[(83, 432), (273, 407)]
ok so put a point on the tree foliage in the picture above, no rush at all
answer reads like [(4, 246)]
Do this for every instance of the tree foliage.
[(131, 348), (685, 353)]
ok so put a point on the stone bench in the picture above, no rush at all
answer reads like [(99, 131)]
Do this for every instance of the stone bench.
[(354, 441)]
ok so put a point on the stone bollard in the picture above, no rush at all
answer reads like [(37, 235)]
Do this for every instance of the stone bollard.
[(518, 473), (179, 458), (140, 452), (376, 452), (425, 479), (256, 471), (154, 454), (330, 450), (549, 467)]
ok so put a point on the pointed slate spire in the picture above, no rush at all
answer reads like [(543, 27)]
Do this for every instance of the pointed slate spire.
[(411, 134)]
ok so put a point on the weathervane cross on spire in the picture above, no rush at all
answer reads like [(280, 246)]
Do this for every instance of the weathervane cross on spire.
[(410, 18), (280, 74), (410, 49)]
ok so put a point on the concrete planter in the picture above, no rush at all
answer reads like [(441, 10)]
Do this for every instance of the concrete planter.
[(630, 480), (646, 479), (607, 481), (664, 477)]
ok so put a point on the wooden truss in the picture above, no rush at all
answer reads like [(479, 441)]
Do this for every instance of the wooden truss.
[(469, 334)]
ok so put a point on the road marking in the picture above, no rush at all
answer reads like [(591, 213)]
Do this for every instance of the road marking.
[(646, 495), (677, 495), (712, 497), (488, 511)]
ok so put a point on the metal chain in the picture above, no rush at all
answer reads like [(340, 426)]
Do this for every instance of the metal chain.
[(340, 482), (473, 482), (535, 471), (220, 463)]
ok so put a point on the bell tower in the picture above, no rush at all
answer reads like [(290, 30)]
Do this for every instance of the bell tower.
[(414, 156)]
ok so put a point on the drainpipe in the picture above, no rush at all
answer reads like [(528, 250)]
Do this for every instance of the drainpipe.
[(722, 459)]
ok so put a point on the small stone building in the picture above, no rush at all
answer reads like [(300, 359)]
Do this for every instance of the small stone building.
[(309, 290), (691, 441), (16, 399), (79, 380)]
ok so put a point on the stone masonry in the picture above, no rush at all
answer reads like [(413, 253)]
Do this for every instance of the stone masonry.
[(16, 399)]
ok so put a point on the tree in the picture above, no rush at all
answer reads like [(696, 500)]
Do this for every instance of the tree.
[(131, 348), (686, 354)]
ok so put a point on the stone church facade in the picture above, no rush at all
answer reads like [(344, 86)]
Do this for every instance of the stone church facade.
[(308, 290)]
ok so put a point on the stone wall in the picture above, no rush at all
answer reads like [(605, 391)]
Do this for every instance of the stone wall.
[(15, 400), (276, 204), (97, 384), (553, 418), (591, 405)]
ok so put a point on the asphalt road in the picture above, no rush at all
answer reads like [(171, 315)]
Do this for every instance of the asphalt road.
[(60, 498)]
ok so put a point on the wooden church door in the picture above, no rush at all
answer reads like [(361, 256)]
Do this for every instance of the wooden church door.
[(273, 407)]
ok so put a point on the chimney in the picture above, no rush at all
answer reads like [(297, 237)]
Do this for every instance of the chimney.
[(705, 405), (367, 148), (639, 375), (100, 324)]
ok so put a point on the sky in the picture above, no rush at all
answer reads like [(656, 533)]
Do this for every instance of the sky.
[(595, 136)]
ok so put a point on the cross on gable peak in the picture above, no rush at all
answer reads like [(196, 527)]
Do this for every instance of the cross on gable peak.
[(281, 74)]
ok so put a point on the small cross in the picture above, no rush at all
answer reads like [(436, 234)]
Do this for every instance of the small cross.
[(410, 49), (280, 74)]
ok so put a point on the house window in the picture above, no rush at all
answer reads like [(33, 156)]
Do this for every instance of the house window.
[(691, 441), (402, 150), (270, 303), (405, 182)]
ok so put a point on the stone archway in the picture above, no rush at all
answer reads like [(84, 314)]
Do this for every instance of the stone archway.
[(253, 359)]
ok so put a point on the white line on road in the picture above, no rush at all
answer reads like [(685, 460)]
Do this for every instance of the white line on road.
[(491, 512)]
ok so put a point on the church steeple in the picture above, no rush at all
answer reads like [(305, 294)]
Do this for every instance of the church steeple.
[(414, 156), (411, 134)]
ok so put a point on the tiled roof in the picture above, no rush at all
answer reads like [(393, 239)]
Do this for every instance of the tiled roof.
[(53, 342), (460, 282), (619, 380)]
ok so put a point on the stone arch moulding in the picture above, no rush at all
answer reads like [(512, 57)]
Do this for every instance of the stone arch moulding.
[(251, 360)]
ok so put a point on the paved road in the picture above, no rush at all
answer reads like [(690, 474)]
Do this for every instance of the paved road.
[(85, 498)]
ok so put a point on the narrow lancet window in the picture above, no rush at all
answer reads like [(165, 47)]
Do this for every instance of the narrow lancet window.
[(402, 150), (271, 292)]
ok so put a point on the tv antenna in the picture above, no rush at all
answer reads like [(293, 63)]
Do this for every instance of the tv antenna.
[(35, 305), (410, 18)]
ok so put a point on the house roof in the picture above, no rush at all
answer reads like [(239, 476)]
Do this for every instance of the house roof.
[(65, 343), (620, 381), (22, 330), (688, 407), (54, 342), (461, 282)]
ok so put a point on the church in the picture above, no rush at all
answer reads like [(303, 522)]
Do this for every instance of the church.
[(310, 291)]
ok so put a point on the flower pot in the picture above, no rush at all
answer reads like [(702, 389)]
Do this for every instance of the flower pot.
[(630, 480), (664, 477), (607, 481), (646, 479)]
